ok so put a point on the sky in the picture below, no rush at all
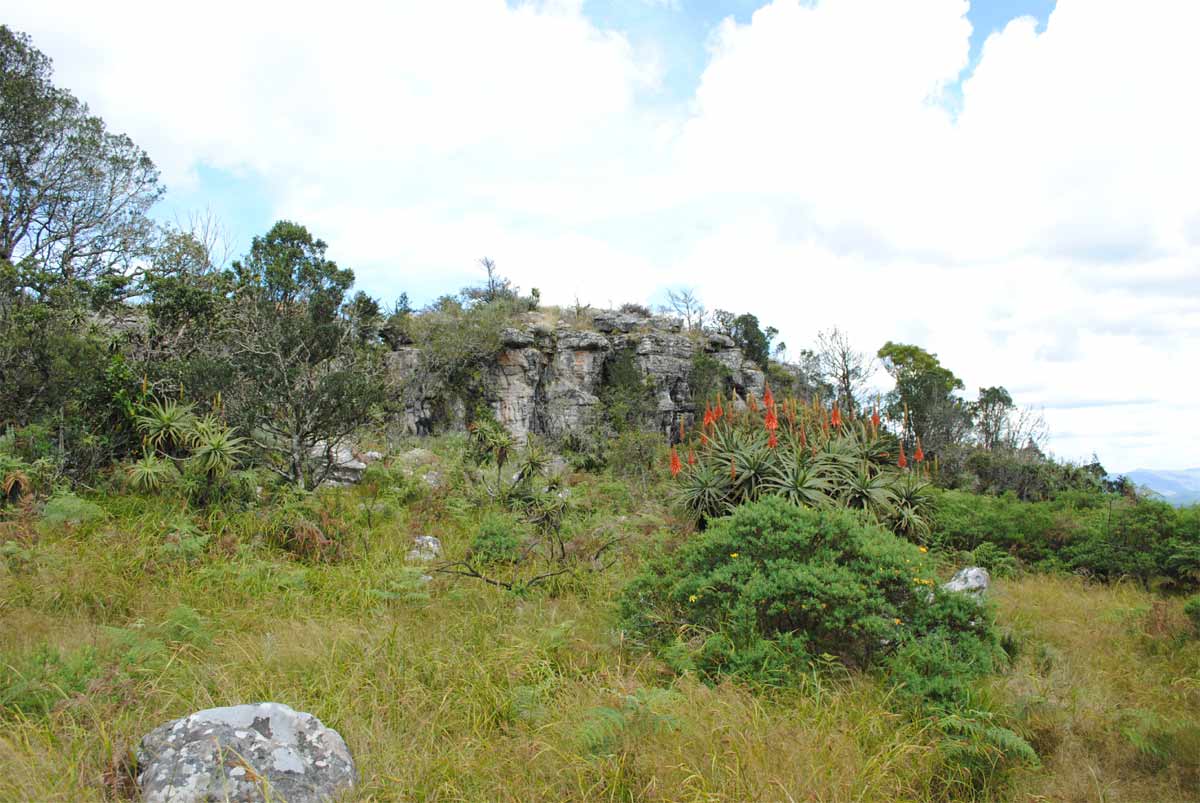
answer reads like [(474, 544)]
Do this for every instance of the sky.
[(1009, 184)]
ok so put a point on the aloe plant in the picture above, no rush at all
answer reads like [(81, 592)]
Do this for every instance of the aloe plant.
[(804, 453)]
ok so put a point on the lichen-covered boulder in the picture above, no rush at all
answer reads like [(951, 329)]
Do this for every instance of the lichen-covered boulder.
[(973, 580), (243, 753), (426, 548)]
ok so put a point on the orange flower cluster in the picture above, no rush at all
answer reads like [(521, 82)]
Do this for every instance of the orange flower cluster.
[(676, 466), (771, 420)]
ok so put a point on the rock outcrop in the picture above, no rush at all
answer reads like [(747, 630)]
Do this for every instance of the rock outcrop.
[(548, 380), (244, 753)]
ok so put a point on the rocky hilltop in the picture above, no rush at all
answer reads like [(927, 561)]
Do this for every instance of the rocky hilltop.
[(548, 377)]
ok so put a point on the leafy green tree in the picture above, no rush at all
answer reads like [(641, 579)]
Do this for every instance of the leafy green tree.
[(304, 380), (991, 415), (924, 397), (73, 195), (747, 334)]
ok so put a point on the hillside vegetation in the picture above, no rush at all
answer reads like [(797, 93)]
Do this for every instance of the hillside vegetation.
[(124, 611), (212, 492)]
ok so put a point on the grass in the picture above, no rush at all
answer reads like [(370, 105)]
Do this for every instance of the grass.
[(457, 691)]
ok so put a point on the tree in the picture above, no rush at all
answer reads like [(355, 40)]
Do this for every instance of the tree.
[(752, 340), (73, 196), (999, 423), (686, 304), (991, 415), (843, 367), (494, 288), (924, 397), (305, 381)]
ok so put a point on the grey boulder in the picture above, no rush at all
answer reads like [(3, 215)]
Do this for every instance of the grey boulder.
[(426, 548), (973, 580), (244, 753)]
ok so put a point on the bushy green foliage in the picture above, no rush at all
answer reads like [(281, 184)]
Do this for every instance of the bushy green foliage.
[(34, 685), (498, 540), (70, 509), (627, 394), (764, 591), (456, 342), (1097, 534), (773, 590), (707, 378), (1025, 472)]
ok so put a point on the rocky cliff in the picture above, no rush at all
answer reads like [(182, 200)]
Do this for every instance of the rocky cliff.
[(547, 379)]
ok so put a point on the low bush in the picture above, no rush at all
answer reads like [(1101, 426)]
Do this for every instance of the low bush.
[(70, 509), (498, 540), (774, 590), (765, 591)]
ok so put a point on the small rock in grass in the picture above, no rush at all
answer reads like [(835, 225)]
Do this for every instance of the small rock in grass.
[(426, 548)]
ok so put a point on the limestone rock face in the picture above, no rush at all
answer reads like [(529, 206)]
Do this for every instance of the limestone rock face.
[(547, 379), (243, 753)]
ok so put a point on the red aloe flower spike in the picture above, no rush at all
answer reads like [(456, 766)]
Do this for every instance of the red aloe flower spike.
[(768, 396), (676, 467), (919, 454), (772, 441), (751, 403), (875, 418), (903, 461), (803, 438), (732, 469), (691, 457), (682, 433), (771, 422), (703, 439), (836, 418), (720, 411)]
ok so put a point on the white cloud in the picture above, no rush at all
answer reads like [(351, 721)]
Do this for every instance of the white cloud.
[(1036, 225)]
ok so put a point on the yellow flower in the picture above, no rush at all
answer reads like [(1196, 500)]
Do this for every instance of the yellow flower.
[(733, 554), (897, 621), (693, 598), (923, 549)]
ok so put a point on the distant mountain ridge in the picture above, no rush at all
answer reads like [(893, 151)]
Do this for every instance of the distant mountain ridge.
[(1176, 487)]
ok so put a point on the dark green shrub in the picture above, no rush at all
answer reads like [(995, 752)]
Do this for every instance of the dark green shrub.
[(771, 587), (498, 540), (627, 394)]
